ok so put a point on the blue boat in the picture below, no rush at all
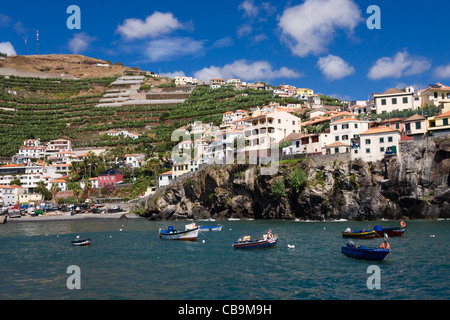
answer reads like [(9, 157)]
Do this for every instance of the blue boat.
[(268, 240), (364, 253)]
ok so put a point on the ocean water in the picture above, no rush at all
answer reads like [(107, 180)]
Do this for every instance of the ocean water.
[(136, 264)]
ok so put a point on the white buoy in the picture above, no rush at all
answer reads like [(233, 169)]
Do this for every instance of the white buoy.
[(203, 241), (291, 246), (120, 229)]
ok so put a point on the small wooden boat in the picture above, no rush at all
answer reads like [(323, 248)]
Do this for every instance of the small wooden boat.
[(390, 232), (189, 234), (245, 242), (352, 251), (81, 243), (360, 234), (211, 228)]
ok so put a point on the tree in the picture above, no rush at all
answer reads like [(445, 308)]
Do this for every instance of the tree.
[(54, 190), (76, 188), (278, 188), (15, 181)]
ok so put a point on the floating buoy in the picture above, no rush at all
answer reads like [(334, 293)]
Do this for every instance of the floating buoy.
[(432, 236), (203, 241), (291, 246), (120, 229)]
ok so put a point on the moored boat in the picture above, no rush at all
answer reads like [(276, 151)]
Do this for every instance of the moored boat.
[(360, 234), (189, 234), (81, 242), (364, 253), (211, 228), (391, 232), (267, 240)]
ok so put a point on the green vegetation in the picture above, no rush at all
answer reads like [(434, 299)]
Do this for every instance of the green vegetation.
[(298, 180), (278, 188)]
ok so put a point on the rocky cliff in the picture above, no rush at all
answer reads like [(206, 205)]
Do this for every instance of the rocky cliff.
[(415, 186)]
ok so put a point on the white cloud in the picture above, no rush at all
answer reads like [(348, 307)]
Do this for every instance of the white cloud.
[(244, 70), (402, 64), (169, 48), (80, 42), (7, 47), (173, 74), (223, 42), (334, 67), (155, 25), (442, 72), (250, 10), (309, 28)]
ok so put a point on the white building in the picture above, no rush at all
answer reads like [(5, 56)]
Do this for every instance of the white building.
[(309, 144), (376, 143), (135, 160), (270, 128), (346, 129), (394, 99), (9, 195), (165, 178)]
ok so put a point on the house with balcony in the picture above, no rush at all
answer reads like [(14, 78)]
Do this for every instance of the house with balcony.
[(437, 95), (309, 144), (416, 126), (439, 125), (345, 135), (135, 160), (266, 129), (376, 143)]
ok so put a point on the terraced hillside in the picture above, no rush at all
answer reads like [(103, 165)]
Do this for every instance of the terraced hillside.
[(52, 108)]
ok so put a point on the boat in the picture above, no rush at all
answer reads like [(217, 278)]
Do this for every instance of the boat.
[(360, 234), (189, 234), (211, 228), (391, 232), (267, 240), (81, 242), (364, 253)]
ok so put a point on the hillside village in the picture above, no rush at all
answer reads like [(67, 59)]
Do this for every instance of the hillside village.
[(298, 121)]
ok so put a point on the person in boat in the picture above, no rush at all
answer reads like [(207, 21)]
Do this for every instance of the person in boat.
[(385, 245)]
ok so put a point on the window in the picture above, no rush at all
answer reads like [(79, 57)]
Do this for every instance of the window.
[(335, 127), (356, 126), (345, 137), (382, 149), (381, 140), (418, 125), (336, 150), (293, 123), (405, 100), (445, 122), (345, 126), (368, 141), (394, 100), (390, 139), (367, 150), (356, 151), (279, 120), (336, 138), (435, 95), (383, 102), (297, 144), (397, 126)]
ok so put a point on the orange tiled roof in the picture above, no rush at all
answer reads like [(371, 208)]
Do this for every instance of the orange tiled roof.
[(379, 130), (446, 114)]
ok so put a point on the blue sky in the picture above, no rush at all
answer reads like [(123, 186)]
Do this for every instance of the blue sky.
[(320, 44)]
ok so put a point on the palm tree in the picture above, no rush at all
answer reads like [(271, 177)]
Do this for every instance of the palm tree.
[(41, 188), (54, 190)]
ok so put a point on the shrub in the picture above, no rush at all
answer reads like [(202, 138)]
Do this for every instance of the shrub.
[(298, 180), (278, 188)]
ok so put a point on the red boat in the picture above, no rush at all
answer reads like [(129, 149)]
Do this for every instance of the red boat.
[(390, 232)]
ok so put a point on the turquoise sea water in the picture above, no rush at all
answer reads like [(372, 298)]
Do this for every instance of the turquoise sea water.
[(135, 264)]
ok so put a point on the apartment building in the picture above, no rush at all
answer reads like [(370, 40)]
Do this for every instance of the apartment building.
[(270, 128)]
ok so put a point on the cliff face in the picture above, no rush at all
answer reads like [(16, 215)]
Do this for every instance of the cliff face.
[(415, 186)]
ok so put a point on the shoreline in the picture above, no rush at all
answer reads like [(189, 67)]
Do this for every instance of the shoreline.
[(69, 217)]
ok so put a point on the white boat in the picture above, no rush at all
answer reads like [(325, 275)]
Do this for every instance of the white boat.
[(211, 228), (189, 234)]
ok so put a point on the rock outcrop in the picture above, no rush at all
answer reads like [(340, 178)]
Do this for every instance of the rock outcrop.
[(413, 186)]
